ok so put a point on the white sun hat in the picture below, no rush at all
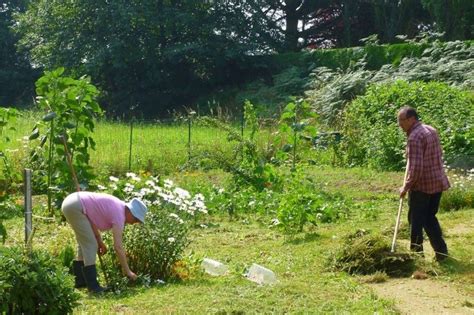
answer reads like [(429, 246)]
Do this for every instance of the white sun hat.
[(137, 208)]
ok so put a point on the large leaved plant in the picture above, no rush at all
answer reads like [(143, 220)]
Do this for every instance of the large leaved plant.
[(70, 106)]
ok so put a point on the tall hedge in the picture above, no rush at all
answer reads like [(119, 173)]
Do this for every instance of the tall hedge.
[(373, 138)]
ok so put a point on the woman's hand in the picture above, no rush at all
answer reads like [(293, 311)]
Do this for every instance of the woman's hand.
[(117, 234), (131, 275), (102, 249)]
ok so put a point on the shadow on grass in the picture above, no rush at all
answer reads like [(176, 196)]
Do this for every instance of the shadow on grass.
[(455, 266), (132, 290), (306, 238)]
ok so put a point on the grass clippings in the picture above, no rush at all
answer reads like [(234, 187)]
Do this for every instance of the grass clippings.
[(365, 253)]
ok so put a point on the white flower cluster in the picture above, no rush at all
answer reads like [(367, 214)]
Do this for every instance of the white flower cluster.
[(151, 193), (134, 177), (460, 180)]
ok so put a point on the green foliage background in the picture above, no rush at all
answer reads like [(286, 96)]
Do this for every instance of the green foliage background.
[(331, 90), (165, 55), (373, 138)]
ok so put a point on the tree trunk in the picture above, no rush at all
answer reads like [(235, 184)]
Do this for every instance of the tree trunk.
[(291, 32), (346, 17)]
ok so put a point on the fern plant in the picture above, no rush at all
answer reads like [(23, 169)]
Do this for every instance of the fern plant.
[(330, 91)]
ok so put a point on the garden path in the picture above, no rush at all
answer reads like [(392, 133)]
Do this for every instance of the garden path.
[(430, 295), (427, 296)]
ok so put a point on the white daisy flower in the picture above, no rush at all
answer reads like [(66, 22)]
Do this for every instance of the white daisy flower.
[(113, 179)]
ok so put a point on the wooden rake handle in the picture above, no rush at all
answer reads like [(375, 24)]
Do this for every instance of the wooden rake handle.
[(397, 223)]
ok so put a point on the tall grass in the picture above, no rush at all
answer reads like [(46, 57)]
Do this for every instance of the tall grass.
[(155, 146), (159, 147)]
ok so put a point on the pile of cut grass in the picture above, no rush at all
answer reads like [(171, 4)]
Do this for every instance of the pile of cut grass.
[(365, 253)]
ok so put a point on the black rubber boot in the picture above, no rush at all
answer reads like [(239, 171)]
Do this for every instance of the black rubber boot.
[(90, 274), (80, 281)]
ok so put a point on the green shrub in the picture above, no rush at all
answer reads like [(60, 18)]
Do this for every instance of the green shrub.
[(34, 284), (333, 88), (8, 210), (372, 136), (8, 175), (457, 198), (302, 202), (249, 164)]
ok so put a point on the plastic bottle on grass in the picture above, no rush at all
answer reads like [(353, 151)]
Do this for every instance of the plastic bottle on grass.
[(261, 275), (214, 267)]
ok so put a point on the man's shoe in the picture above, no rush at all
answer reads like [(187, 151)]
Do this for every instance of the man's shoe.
[(440, 257)]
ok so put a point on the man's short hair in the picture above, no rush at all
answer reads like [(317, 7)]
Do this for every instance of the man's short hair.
[(409, 112)]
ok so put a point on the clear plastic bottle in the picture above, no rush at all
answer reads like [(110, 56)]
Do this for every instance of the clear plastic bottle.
[(261, 275), (214, 267)]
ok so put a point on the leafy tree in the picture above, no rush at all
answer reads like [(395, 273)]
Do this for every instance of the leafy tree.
[(454, 17), (16, 74), (281, 25), (361, 18), (165, 54), (155, 54)]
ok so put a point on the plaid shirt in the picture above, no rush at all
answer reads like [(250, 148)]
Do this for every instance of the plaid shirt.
[(424, 161)]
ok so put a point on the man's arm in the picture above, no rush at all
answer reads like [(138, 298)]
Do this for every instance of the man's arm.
[(414, 165)]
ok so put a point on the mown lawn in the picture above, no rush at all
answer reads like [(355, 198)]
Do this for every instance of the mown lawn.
[(305, 284)]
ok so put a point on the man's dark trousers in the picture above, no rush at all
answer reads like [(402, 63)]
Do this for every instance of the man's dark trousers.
[(422, 215)]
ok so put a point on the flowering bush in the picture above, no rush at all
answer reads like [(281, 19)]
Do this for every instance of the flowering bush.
[(461, 193), (155, 247)]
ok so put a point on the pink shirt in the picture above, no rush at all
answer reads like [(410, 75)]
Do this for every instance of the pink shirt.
[(424, 161), (103, 210)]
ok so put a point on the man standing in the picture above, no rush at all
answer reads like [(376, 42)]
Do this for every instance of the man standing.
[(425, 181)]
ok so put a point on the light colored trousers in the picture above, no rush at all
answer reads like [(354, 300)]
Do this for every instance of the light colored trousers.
[(86, 243)]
